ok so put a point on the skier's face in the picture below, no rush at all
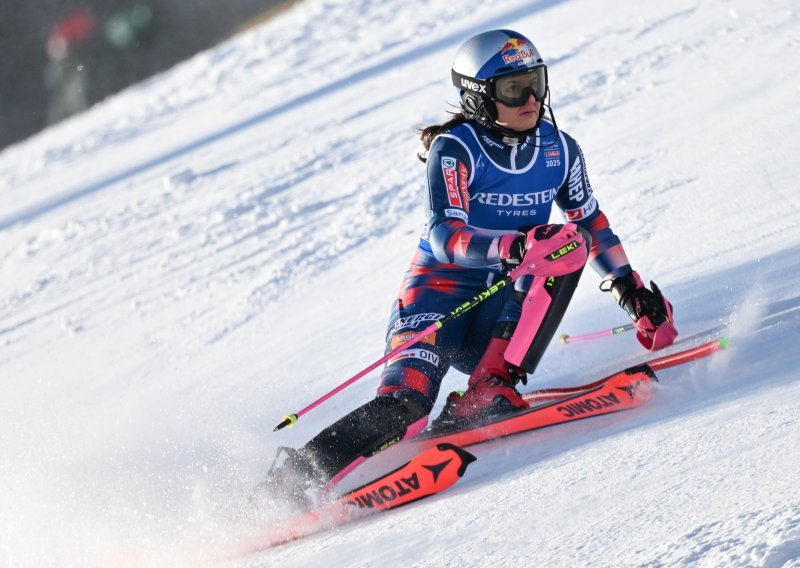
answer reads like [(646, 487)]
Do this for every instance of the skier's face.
[(519, 118)]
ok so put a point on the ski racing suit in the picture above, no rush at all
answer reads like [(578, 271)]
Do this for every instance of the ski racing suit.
[(479, 187)]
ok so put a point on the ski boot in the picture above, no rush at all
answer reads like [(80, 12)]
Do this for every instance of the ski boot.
[(307, 472), (293, 479), (491, 391)]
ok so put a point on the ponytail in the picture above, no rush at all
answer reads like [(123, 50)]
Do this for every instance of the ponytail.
[(428, 133)]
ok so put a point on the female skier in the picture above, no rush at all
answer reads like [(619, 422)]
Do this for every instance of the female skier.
[(494, 171)]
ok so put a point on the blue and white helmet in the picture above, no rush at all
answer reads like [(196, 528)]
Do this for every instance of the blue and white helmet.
[(498, 66)]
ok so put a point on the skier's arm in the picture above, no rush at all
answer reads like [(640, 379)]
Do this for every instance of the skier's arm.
[(650, 312), (452, 239), (575, 199)]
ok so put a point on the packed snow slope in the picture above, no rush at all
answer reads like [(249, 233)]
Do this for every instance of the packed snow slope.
[(214, 248)]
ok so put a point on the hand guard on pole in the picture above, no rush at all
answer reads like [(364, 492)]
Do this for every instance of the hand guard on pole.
[(650, 311), (546, 250)]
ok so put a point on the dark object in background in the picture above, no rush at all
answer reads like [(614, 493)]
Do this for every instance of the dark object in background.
[(66, 76), (89, 58), (62, 56)]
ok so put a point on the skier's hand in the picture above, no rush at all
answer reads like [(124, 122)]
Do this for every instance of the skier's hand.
[(513, 246), (650, 311), (546, 250), (511, 249)]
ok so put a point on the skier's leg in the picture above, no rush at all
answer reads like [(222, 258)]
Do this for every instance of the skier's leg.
[(542, 311), (409, 386), (515, 347), (363, 432)]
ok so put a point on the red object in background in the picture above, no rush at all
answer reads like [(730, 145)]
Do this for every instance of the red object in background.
[(73, 29), (76, 26)]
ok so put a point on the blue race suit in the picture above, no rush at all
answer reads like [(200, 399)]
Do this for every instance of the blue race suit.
[(479, 188)]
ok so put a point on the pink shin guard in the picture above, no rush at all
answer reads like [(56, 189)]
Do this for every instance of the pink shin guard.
[(534, 309), (553, 251)]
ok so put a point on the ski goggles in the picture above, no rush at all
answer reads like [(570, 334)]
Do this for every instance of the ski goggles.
[(514, 90)]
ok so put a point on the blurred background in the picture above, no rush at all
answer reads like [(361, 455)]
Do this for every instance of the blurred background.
[(58, 57)]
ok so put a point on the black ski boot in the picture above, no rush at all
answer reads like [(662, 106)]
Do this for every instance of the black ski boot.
[(293, 478), (303, 473)]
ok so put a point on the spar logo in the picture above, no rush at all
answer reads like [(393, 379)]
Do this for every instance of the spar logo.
[(517, 50), (450, 174)]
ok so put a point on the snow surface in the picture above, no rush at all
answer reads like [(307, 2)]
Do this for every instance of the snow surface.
[(216, 247)]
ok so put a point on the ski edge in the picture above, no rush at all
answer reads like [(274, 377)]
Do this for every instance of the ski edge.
[(602, 398), (630, 378)]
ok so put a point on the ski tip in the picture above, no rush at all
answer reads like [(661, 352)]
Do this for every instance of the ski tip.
[(724, 342), (466, 457), (564, 337)]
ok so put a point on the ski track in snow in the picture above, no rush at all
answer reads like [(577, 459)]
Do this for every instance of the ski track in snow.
[(211, 249)]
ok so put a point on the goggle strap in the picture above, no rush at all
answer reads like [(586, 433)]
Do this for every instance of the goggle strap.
[(471, 84)]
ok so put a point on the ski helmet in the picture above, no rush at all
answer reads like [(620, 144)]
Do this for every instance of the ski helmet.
[(498, 65)]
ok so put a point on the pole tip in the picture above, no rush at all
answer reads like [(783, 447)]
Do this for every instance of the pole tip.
[(724, 342), (287, 421), (564, 337)]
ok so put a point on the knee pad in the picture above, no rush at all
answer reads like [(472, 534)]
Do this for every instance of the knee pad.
[(415, 373), (408, 383)]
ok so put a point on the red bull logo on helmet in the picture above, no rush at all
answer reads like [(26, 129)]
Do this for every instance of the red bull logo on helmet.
[(518, 50)]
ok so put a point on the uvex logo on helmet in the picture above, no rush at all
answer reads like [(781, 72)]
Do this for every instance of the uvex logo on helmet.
[(473, 86)]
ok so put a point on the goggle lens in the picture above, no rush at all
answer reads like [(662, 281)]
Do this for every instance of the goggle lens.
[(515, 89)]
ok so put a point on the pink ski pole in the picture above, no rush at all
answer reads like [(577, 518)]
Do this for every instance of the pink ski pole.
[(566, 338), (549, 257), (292, 418)]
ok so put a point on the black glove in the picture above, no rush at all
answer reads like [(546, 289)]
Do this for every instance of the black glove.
[(632, 296), (511, 249), (650, 311)]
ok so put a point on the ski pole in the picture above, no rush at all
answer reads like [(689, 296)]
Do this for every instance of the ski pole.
[(460, 310), (566, 338)]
